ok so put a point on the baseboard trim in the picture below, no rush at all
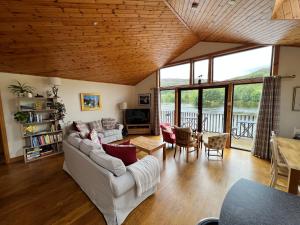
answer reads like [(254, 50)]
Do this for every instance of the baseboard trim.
[(16, 159)]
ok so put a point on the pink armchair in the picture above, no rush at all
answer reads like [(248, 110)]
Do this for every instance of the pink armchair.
[(168, 133)]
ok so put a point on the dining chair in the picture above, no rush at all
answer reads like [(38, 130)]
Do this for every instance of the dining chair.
[(187, 139), (278, 166), (216, 144)]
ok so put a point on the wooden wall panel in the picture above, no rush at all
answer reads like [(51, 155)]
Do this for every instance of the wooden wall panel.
[(115, 41), (245, 21)]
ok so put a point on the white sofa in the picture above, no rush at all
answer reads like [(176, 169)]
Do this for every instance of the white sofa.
[(115, 196), (105, 136)]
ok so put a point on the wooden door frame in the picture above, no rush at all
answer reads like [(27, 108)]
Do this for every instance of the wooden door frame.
[(3, 134)]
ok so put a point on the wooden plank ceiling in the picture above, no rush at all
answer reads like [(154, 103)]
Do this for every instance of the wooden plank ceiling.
[(286, 9), (241, 21), (115, 41)]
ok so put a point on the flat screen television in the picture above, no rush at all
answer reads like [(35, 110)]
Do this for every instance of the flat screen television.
[(137, 116)]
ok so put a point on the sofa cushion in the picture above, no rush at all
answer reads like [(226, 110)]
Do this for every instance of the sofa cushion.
[(127, 153), (108, 123), (112, 164), (96, 125), (93, 136), (86, 146), (107, 133), (82, 128), (74, 139)]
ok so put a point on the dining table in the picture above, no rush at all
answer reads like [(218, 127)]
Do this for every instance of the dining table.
[(290, 151)]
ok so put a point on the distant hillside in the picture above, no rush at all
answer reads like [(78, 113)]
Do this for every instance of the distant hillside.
[(173, 82), (259, 73)]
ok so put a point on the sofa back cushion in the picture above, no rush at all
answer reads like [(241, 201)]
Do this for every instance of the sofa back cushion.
[(112, 164), (109, 123), (81, 127), (86, 146), (96, 125), (127, 153), (74, 139)]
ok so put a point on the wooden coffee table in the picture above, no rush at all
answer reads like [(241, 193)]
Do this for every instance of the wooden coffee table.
[(149, 145)]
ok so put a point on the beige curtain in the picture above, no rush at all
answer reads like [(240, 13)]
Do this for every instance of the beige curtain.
[(156, 107), (268, 117)]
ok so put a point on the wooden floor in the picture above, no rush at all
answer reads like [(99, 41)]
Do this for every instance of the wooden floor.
[(42, 193)]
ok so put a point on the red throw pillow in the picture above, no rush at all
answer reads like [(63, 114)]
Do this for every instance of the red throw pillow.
[(125, 143), (127, 153)]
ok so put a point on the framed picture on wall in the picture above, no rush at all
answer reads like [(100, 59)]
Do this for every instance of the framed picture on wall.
[(144, 100), (90, 101), (296, 99)]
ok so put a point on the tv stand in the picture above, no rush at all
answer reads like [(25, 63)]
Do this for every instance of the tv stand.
[(139, 128)]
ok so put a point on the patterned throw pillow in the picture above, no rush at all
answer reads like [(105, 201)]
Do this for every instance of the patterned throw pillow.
[(93, 136), (96, 125), (108, 123), (82, 128)]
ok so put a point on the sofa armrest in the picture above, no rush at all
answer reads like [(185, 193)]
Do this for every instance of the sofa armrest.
[(122, 184), (119, 126)]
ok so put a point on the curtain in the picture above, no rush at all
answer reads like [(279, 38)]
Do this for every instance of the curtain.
[(156, 106), (268, 117)]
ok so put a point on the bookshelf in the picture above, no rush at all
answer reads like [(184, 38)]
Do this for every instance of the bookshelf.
[(41, 131)]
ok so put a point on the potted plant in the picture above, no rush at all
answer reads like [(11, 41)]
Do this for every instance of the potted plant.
[(20, 89), (60, 110), (21, 117)]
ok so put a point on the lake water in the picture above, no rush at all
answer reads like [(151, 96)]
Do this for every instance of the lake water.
[(192, 108)]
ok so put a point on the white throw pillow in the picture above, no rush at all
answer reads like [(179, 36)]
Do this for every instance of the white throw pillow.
[(86, 145), (112, 164)]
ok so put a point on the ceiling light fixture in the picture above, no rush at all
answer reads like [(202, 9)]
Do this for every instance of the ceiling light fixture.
[(95, 23), (195, 5)]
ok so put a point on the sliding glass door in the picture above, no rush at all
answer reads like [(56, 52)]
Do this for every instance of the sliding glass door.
[(189, 108), (203, 109), (246, 99), (213, 110), (167, 106)]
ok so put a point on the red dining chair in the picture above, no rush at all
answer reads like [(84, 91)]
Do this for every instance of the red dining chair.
[(168, 133)]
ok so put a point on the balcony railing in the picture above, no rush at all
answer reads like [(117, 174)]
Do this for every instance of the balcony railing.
[(243, 125)]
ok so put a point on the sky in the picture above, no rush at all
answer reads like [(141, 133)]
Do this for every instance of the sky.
[(225, 67)]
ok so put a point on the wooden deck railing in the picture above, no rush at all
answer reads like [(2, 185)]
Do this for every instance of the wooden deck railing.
[(243, 125)]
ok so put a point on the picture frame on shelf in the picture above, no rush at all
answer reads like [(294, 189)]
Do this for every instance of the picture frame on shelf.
[(90, 101), (144, 100), (296, 99)]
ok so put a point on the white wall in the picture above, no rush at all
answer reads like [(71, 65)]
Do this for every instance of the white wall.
[(69, 91), (289, 64), (203, 48)]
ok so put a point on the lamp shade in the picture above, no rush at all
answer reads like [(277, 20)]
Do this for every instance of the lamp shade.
[(56, 81), (123, 105)]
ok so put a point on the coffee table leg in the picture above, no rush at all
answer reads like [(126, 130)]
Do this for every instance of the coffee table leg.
[(164, 152)]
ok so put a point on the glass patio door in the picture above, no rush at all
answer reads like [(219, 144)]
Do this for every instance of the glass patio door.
[(246, 98), (203, 109), (213, 110), (189, 108)]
